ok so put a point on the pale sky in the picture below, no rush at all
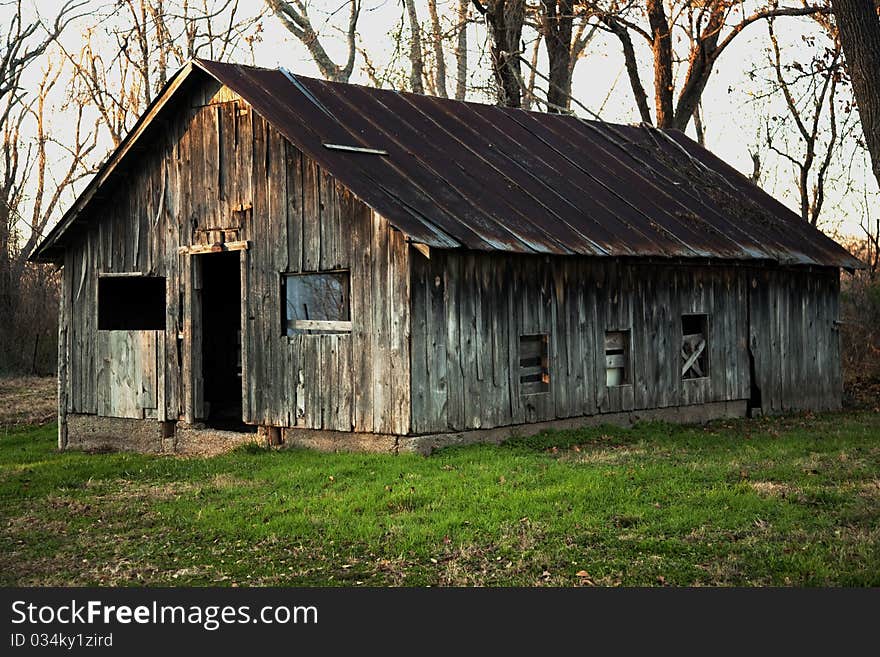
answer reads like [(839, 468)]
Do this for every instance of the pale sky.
[(730, 114)]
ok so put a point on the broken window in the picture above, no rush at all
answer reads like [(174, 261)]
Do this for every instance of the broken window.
[(316, 302), (694, 346), (131, 303), (617, 367), (534, 364)]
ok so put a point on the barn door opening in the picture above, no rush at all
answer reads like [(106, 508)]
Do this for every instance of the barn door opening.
[(221, 339)]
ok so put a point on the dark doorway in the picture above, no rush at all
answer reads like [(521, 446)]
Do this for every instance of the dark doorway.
[(221, 339)]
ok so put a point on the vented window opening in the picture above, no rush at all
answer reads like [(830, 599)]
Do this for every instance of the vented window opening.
[(617, 367), (534, 364), (694, 346), (316, 303), (131, 303)]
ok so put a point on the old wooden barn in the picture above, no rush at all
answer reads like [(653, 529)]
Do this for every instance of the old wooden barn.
[(347, 267)]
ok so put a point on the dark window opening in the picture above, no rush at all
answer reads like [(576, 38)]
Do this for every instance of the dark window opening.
[(316, 302), (694, 346), (131, 303), (617, 367), (534, 364)]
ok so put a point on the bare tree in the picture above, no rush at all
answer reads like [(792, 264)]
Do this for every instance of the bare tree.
[(31, 186), (810, 95), (713, 25), (152, 40), (419, 51), (25, 42), (24, 171), (294, 15)]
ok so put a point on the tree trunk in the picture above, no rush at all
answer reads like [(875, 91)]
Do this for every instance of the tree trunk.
[(859, 29), (417, 64), (556, 27), (505, 19), (461, 58), (439, 57), (662, 48)]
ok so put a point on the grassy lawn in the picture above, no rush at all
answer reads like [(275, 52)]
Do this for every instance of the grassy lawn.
[(791, 501)]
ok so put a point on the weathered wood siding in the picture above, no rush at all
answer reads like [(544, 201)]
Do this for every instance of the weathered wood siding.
[(130, 373), (219, 173), (350, 381), (794, 338), (469, 311)]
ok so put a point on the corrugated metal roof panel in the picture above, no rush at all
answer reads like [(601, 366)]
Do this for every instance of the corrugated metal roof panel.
[(474, 176)]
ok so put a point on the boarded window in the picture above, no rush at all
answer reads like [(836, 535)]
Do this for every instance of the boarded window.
[(617, 366), (131, 303), (534, 364), (694, 346), (316, 302)]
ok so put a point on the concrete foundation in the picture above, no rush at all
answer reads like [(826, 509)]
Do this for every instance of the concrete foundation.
[(677, 415), (96, 433), (92, 432)]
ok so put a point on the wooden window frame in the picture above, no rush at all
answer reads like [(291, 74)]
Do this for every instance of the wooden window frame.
[(314, 326), (693, 344), (542, 369), (621, 356)]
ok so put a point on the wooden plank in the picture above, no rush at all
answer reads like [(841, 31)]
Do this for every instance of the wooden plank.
[(420, 395), (344, 388), (146, 375), (330, 232), (558, 347), (454, 374), (329, 390), (362, 317), (210, 167), (380, 365), (227, 169), (468, 349), (311, 231), (500, 333), (313, 380), (399, 329), (436, 331), (64, 311), (295, 218), (161, 388), (217, 247), (319, 325), (513, 327), (296, 370), (243, 203), (614, 340), (261, 379)]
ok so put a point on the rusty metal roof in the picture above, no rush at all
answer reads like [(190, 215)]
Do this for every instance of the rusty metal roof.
[(452, 174)]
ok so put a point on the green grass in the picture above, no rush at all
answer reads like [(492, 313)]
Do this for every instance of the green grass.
[(792, 501)]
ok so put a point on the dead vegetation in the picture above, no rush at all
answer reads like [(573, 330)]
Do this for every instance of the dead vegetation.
[(27, 400)]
